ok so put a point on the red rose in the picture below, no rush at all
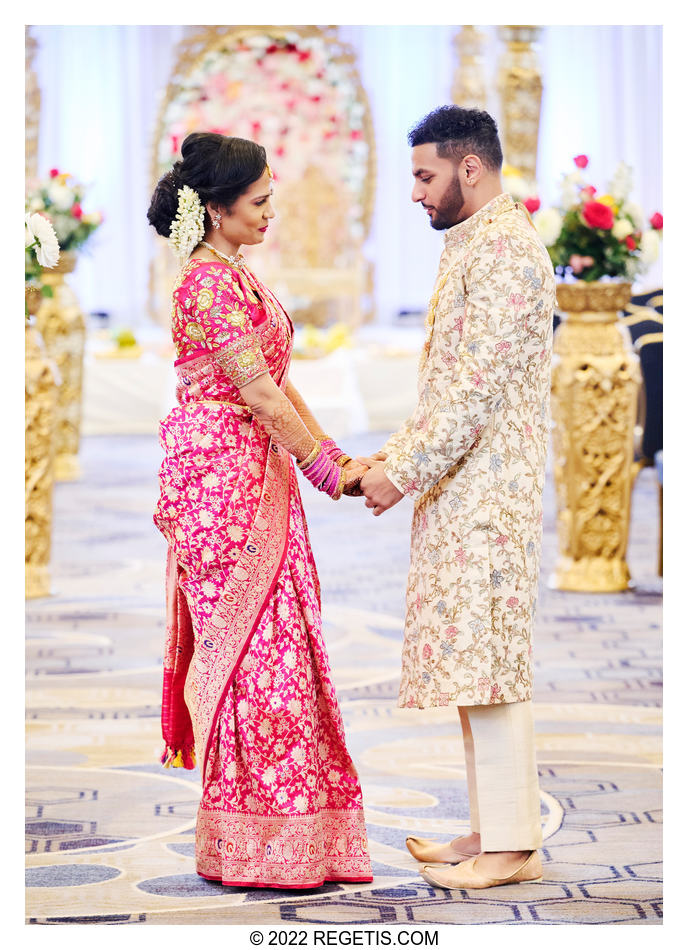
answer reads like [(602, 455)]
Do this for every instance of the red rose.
[(54, 172), (532, 205), (630, 243), (597, 215), (581, 161), (657, 221), (76, 211)]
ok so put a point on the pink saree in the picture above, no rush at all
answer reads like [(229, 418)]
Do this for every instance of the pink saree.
[(247, 684)]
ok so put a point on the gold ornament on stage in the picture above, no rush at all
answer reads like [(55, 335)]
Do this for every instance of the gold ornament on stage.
[(40, 410), (469, 88), (520, 89), (32, 113), (62, 325), (595, 384)]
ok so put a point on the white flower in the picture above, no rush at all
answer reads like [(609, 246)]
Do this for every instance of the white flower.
[(61, 195), (570, 189), (635, 213), (622, 228), (188, 227), (622, 182), (649, 247), (38, 229), (548, 224)]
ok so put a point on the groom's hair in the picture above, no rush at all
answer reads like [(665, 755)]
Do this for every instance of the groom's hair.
[(458, 132)]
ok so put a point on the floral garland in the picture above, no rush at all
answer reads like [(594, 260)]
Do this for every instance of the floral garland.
[(188, 227)]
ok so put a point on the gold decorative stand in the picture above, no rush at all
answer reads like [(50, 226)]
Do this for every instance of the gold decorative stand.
[(469, 87), (41, 393), (595, 382), (520, 88), (62, 325)]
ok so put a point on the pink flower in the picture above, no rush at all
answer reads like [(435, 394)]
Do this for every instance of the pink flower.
[(460, 556), (657, 221), (581, 161), (578, 263), (588, 193), (54, 172), (529, 430), (427, 651), (477, 380), (512, 602), (76, 211), (503, 346), (630, 243), (451, 632), (502, 540), (517, 300), (532, 205)]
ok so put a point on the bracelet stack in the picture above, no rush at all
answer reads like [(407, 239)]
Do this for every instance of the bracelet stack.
[(323, 472), (334, 452)]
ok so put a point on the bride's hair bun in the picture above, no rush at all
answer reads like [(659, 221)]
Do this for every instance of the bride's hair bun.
[(218, 167)]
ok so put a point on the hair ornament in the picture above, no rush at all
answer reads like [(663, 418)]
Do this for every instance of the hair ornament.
[(188, 227)]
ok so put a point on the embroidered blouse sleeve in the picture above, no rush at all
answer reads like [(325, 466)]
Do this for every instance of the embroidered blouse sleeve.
[(219, 318)]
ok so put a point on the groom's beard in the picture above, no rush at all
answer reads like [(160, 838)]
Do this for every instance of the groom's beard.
[(447, 212)]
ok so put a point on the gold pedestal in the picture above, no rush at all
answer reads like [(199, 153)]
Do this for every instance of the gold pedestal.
[(595, 382), (41, 391), (520, 89), (63, 328)]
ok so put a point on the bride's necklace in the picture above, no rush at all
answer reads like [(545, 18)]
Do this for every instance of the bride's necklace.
[(237, 261)]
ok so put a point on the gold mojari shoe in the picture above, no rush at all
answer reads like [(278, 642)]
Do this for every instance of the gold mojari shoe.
[(465, 875), (431, 852)]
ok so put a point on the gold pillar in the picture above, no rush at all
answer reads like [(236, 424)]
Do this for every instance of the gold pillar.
[(32, 109), (520, 89), (469, 88), (40, 411), (63, 328), (595, 382)]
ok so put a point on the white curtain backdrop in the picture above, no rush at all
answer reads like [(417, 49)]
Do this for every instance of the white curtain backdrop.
[(101, 87)]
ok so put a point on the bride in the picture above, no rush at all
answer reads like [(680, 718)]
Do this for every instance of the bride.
[(247, 685)]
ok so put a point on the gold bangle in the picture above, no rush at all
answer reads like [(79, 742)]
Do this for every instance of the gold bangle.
[(311, 457), (343, 459)]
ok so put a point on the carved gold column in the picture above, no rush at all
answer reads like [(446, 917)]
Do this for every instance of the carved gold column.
[(32, 113), (40, 412), (63, 328), (469, 88), (520, 89), (595, 382)]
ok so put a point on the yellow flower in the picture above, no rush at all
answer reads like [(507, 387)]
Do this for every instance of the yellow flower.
[(609, 201)]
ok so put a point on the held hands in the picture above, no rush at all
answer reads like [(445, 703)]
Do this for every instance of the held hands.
[(353, 472), (380, 493)]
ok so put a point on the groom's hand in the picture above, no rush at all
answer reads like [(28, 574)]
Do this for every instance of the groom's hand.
[(380, 493)]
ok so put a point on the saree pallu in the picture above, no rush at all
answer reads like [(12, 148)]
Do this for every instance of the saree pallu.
[(247, 684)]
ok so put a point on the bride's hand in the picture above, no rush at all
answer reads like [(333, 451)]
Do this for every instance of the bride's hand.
[(353, 472)]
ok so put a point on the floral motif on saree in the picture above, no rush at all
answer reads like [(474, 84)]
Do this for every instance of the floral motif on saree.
[(246, 681)]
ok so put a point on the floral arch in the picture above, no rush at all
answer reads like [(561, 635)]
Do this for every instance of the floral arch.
[(296, 90)]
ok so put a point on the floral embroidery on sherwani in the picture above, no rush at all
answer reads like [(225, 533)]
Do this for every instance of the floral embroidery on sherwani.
[(472, 457)]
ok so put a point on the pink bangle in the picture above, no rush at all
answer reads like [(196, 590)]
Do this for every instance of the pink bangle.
[(324, 474)]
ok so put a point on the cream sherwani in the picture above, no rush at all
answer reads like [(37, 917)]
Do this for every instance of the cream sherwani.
[(472, 457)]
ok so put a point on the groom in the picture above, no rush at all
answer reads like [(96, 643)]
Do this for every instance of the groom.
[(472, 458)]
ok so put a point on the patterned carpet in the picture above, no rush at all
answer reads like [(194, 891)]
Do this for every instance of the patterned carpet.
[(109, 832)]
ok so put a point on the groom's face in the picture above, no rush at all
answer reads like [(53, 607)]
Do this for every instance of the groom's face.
[(437, 186)]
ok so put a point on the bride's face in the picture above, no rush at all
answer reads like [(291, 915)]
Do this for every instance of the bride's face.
[(248, 219)]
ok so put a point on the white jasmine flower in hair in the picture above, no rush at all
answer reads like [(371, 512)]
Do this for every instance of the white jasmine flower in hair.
[(39, 234), (548, 224), (188, 227)]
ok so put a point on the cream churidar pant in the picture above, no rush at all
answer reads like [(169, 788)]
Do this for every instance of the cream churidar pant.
[(503, 790)]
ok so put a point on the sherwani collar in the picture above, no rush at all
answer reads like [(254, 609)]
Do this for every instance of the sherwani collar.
[(465, 230)]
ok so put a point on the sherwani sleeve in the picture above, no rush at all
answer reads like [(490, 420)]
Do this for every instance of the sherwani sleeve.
[(502, 289)]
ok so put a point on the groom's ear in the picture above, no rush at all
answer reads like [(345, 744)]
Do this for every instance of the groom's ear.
[(472, 170)]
